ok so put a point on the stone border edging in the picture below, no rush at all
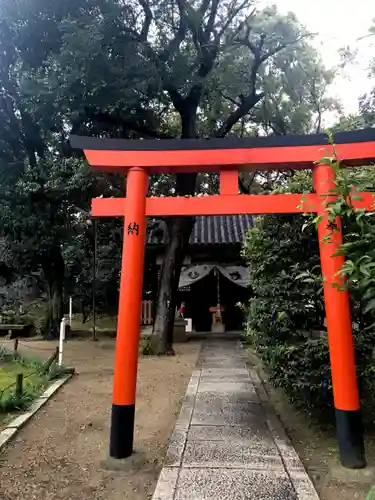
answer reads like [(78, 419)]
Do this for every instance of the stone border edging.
[(301, 481), (167, 482), (17, 423)]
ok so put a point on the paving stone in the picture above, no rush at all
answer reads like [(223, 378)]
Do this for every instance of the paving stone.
[(185, 415), (231, 433), (223, 372), (228, 377), (226, 387), (193, 384), (37, 404), (261, 392), (232, 484), (222, 365), (289, 455), (227, 359), (188, 400), (6, 435), (254, 454), (254, 375), (222, 399), (21, 420), (176, 448), (228, 443), (276, 428), (53, 387), (291, 459), (239, 413), (303, 486), (166, 486)]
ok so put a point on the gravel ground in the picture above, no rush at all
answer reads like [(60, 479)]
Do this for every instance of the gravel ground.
[(58, 454)]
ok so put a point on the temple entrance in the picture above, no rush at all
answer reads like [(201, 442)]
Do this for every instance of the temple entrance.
[(138, 159), (210, 293), (203, 295), (231, 295)]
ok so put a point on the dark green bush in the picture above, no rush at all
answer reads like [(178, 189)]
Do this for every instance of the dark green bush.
[(9, 316), (285, 317)]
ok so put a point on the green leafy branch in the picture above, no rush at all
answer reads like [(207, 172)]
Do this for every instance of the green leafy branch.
[(358, 270)]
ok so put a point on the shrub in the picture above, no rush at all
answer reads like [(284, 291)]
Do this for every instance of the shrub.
[(285, 317), (145, 347), (286, 313)]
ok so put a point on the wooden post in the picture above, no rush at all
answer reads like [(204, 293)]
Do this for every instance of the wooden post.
[(49, 362), (128, 324), (339, 327), (15, 346), (19, 385)]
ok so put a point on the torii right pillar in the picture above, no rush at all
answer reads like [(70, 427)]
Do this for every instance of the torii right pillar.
[(339, 326)]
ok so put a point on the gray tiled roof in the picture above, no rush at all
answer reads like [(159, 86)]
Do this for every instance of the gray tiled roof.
[(210, 230)]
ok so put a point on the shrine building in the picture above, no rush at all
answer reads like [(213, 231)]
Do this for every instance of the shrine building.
[(214, 277)]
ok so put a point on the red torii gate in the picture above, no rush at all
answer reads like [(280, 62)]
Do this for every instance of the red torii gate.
[(138, 158)]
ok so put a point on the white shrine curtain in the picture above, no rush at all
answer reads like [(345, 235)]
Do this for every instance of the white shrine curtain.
[(238, 275)]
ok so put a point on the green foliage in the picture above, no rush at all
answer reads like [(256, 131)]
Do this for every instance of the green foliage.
[(134, 69), (35, 379), (286, 314), (285, 318), (9, 316), (56, 372), (145, 347), (371, 494)]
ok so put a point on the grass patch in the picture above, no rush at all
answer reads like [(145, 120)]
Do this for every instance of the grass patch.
[(145, 347), (35, 379), (102, 323)]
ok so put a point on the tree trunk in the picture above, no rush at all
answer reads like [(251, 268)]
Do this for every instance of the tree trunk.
[(84, 312), (179, 230), (162, 335), (54, 271)]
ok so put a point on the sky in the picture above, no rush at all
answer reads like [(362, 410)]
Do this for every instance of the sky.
[(339, 23)]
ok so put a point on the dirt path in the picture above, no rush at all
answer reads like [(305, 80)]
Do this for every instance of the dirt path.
[(58, 454)]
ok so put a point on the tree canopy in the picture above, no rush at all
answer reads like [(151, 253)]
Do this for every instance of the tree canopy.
[(135, 69)]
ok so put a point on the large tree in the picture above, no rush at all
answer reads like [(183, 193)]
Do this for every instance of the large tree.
[(42, 188), (187, 48), (152, 69)]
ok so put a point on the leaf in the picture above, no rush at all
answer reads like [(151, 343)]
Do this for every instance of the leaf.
[(370, 293), (370, 306)]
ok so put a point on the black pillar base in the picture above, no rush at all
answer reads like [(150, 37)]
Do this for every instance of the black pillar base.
[(122, 431), (350, 438)]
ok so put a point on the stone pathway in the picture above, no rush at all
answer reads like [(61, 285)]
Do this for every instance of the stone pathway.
[(228, 442)]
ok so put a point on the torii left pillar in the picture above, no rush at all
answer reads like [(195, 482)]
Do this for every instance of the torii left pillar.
[(128, 323)]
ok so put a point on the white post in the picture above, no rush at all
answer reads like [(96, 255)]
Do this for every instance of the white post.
[(70, 310), (188, 325), (61, 340)]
